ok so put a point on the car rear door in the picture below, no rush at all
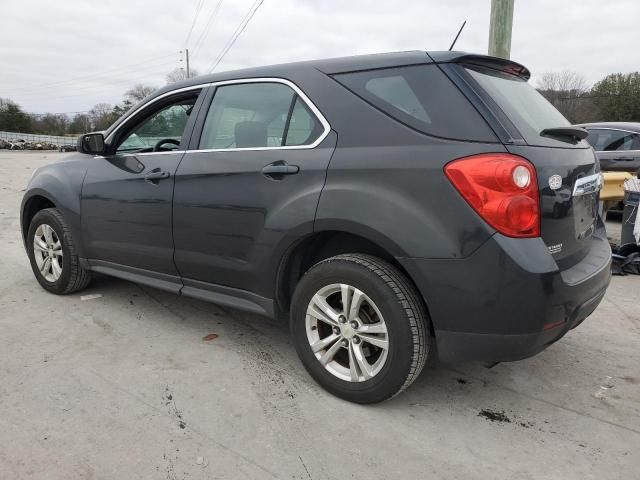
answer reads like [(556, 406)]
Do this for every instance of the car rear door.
[(127, 193), (249, 184)]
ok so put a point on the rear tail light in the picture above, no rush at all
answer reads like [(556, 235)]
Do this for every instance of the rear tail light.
[(502, 188)]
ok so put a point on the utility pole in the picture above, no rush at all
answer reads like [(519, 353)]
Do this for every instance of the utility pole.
[(187, 57), (500, 28)]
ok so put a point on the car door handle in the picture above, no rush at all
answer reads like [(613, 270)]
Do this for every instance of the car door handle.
[(155, 175), (279, 169), (623, 159)]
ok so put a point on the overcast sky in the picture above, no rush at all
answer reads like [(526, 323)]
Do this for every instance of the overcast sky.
[(67, 56)]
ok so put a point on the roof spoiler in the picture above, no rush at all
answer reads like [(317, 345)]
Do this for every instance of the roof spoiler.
[(495, 63)]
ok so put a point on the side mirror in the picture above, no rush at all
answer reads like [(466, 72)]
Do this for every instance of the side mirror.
[(92, 143)]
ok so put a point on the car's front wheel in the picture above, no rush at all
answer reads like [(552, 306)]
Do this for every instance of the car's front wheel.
[(53, 255), (360, 327)]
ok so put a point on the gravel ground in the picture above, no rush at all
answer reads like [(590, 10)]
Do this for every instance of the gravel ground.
[(125, 386)]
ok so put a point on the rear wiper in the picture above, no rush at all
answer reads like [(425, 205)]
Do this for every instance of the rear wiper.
[(571, 134)]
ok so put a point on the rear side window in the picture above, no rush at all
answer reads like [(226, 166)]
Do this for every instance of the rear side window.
[(247, 116), (304, 128), (258, 115), (608, 140), (421, 97)]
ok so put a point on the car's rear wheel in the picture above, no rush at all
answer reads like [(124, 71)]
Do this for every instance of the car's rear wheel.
[(360, 327), (52, 253)]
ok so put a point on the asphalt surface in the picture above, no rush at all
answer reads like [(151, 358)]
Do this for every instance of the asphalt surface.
[(124, 386)]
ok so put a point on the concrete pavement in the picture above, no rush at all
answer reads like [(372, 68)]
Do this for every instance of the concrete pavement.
[(123, 386)]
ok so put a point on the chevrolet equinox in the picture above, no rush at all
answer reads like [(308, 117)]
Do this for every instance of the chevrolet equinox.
[(394, 206)]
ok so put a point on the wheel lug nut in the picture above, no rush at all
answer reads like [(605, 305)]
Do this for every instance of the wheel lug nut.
[(342, 319), (356, 340), (336, 330), (345, 343), (354, 324)]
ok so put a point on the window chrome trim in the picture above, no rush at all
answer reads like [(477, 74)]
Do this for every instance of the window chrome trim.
[(309, 104), (612, 129), (164, 152), (200, 86), (621, 153)]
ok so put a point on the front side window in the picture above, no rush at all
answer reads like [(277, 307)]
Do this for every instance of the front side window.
[(258, 115), (160, 131), (608, 140)]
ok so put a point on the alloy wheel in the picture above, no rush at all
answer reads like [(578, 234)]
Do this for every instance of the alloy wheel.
[(347, 333), (47, 251)]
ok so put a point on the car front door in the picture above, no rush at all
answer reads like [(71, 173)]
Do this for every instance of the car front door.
[(127, 193), (249, 185), (618, 150)]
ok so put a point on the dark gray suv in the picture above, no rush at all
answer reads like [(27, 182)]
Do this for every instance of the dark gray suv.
[(395, 206)]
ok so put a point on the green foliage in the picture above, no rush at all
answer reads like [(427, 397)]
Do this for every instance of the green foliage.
[(51, 124), (618, 97), (12, 118), (100, 117), (169, 122), (123, 108), (614, 98), (81, 123)]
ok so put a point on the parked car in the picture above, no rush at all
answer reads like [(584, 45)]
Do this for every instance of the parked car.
[(617, 145), (394, 206)]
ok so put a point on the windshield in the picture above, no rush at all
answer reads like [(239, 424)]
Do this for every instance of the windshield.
[(529, 111)]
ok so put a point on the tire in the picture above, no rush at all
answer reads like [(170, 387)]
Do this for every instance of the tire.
[(72, 277), (387, 301)]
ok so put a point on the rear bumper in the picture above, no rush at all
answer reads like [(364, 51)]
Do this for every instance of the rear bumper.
[(509, 300), (459, 346)]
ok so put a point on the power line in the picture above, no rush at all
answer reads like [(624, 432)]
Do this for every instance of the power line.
[(205, 32), (155, 70), (243, 24), (193, 22), (236, 33), (98, 75), (46, 89)]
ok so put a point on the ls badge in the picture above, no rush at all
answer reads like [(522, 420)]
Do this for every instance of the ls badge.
[(555, 182)]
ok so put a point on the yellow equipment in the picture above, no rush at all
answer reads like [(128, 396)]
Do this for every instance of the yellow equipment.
[(612, 189)]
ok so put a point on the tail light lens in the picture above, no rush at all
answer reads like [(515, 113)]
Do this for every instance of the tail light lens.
[(502, 188)]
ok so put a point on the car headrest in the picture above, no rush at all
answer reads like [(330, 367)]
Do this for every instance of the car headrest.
[(251, 134)]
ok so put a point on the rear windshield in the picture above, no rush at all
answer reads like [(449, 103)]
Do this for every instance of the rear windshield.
[(529, 111), (421, 97)]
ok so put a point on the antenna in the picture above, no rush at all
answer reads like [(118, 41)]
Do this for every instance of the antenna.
[(459, 32)]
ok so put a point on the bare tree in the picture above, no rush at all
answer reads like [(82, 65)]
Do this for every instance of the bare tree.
[(102, 116), (81, 123), (139, 92), (566, 90), (179, 74), (52, 124), (564, 81)]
